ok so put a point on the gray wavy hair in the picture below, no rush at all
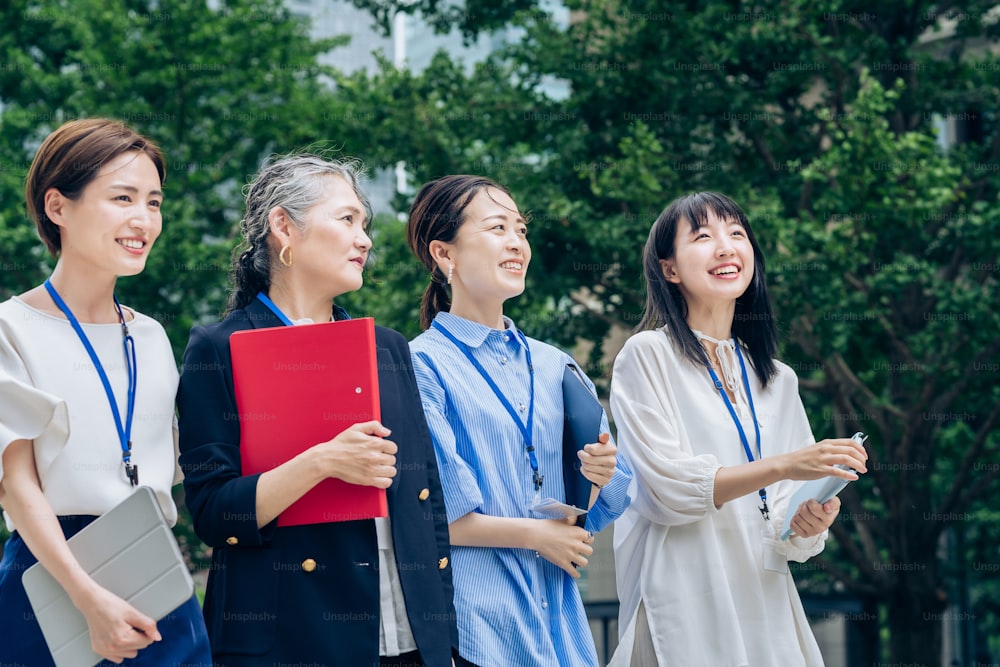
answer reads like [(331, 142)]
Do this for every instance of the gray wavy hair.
[(296, 184)]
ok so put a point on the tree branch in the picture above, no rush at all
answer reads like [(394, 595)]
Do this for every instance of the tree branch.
[(957, 387), (961, 494), (836, 366), (575, 297), (843, 371), (845, 578), (851, 498), (974, 491), (887, 327), (811, 385), (951, 271), (764, 152)]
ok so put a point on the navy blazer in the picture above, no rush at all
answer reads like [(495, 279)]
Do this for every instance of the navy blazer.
[(262, 606)]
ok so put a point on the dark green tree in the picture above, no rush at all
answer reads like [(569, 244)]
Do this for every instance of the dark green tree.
[(218, 89), (882, 245)]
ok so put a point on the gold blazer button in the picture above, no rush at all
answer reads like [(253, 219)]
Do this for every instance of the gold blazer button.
[(424, 494), (308, 565)]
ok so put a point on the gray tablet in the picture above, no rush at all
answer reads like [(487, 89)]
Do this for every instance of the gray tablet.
[(131, 552)]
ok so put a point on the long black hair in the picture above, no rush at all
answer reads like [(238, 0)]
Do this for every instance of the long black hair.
[(753, 321)]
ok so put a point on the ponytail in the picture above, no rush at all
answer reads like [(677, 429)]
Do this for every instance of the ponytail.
[(436, 299), (251, 274)]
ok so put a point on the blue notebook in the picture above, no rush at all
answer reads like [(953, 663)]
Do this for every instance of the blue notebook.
[(581, 426)]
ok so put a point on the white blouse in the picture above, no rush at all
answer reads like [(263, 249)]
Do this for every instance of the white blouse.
[(50, 393), (699, 571)]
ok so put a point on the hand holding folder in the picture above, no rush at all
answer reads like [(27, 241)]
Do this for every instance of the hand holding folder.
[(297, 387)]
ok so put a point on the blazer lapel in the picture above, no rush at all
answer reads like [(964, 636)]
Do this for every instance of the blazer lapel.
[(260, 316)]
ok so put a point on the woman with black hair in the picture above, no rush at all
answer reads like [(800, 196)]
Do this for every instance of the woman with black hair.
[(494, 404), (715, 432)]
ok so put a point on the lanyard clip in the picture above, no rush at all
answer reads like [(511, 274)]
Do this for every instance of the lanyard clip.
[(132, 472), (764, 511), (538, 480)]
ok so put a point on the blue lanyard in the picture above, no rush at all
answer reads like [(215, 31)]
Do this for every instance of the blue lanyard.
[(341, 314), (131, 364), (739, 427), (274, 309), (527, 430)]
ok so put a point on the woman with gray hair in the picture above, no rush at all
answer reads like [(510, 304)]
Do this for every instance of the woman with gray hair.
[(351, 593)]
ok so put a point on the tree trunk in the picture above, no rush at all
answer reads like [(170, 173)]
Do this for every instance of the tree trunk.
[(915, 613)]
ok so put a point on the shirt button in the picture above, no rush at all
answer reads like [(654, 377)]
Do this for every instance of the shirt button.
[(308, 565), (545, 605), (503, 360), (522, 407), (442, 563), (424, 494), (232, 541)]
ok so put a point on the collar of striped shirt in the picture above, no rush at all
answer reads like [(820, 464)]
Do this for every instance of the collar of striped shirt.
[(472, 333)]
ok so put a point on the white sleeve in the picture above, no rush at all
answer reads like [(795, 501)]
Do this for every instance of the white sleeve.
[(672, 486), (26, 412)]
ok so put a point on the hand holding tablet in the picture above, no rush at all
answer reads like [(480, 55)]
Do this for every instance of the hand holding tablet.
[(820, 490)]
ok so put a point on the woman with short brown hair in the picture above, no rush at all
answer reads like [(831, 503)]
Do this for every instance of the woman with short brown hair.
[(86, 393)]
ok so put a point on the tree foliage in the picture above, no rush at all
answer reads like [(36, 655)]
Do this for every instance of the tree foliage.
[(217, 89), (882, 247)]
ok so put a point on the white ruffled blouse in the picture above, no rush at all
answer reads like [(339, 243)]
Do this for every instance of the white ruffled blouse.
[(51, 394)]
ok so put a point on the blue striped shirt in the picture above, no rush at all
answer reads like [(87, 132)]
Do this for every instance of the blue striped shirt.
[(514, 607)]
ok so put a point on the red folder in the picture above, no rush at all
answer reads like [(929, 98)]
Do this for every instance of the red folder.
[(299, 386)]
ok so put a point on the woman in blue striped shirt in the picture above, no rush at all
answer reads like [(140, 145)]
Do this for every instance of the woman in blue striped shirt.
[(494, 404)]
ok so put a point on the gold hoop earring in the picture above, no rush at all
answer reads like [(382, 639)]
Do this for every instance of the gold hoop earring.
[(281, 255), (451, 272)]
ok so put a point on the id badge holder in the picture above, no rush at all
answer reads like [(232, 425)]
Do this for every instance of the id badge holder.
[(774, 558), (553, 509)]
